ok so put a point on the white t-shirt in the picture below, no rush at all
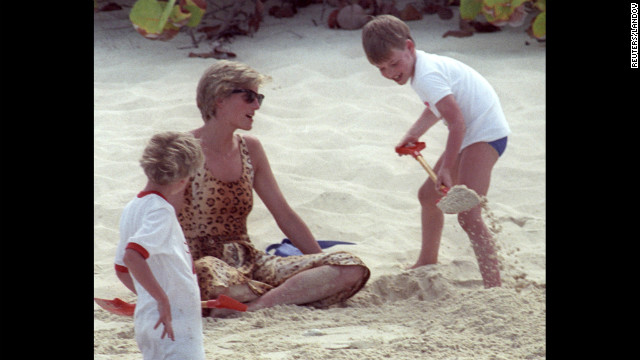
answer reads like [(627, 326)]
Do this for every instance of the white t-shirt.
[(437, 76), (149, 225)]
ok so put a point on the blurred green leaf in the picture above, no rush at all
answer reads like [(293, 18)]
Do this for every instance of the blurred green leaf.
[(469, 9), (162, 20), (539, 25), (498, 12), (149, 15), (196, 8), (168, 9), (179, 17), (516, 3)]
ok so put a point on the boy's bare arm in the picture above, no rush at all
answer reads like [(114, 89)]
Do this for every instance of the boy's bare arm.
[(140, 270), (448, 108), (426, 120), (126, 279)]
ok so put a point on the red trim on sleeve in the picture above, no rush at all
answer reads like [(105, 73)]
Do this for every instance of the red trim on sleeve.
[(136, 247), (122, 269), (145, 193)]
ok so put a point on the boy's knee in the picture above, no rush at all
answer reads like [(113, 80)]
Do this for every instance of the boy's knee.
[(427, 194)]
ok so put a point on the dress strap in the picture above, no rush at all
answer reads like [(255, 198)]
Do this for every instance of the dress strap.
[(247, 165)]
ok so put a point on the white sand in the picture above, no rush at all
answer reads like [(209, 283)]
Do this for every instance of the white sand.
[(329, 124)]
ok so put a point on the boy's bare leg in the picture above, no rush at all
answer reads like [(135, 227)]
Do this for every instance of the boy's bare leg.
[(432, 223), (475, 165), (483, 246), (309, 286)]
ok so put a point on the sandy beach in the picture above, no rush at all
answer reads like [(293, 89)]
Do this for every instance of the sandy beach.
[(329, 124)]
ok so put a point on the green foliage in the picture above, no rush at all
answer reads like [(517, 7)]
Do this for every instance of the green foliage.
[(197, 10), (469, 9), (539, 25), (161, 20), (501, 12)]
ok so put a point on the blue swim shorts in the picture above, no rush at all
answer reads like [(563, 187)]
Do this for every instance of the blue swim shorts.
[(499, 145)]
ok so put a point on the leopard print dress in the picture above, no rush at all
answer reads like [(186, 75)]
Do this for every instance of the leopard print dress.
[(214, 221)]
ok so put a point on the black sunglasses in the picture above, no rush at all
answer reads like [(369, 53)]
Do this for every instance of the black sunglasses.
[(250, 95)]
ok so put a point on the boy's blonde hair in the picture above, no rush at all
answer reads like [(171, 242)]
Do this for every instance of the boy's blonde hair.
[(171, 156), (383, 34), (219, 80)]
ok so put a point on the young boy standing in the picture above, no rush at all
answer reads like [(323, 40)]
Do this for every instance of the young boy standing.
[(469, 106), (153, 259)]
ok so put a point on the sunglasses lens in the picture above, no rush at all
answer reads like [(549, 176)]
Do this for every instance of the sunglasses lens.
[(250, 96)]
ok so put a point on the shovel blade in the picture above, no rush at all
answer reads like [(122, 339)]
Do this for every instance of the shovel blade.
[(120, 307), (225, 302), (116, 306)]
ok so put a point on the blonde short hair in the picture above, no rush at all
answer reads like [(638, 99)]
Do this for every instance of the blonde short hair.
[(219, 80), (383, 34), (171, 156)]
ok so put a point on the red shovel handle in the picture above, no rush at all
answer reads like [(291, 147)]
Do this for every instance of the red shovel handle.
[(411, 150), (415, 152), (116, 306)]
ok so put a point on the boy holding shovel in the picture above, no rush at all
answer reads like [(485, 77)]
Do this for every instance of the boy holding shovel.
[(478, 131)]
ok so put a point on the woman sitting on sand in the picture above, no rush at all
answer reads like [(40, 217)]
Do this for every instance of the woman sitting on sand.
[(220, 196)]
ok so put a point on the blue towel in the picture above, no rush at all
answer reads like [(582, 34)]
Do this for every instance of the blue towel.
[(286, 248)]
